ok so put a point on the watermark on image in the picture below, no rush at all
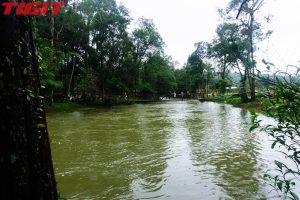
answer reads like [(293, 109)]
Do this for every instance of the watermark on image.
[(31, 8)]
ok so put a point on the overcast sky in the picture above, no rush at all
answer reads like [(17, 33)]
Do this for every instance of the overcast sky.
[(182, 23)]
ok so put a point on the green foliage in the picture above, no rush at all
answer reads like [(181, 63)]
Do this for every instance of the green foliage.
[(234, 101), (116, 86), (87, 86), (147, 41), (166, 82), (223, 83), (146, 89), (49, 61), (194, 70), (158, 77), (229, 46), (87, 52), (228, 49), (181, 79), (285, 108)]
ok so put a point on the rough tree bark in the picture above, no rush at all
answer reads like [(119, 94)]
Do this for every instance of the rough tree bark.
[(26, 170), (243, 86)]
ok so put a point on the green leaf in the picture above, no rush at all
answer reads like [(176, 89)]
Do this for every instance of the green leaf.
[(294, 196), (279, 164), (274, 144), (281, 141), (279, 185), (287, 184), (297, 159), (252, 128)]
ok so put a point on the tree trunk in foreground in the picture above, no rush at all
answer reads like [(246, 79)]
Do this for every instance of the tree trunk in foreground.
[(243, 88), (26, 170)]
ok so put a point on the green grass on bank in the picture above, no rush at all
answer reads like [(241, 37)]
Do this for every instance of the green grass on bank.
[(62, 106), (259, 104), (67, 105)]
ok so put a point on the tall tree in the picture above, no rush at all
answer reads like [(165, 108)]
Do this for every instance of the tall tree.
[(147, 41), (252, 29), (229, 49), (108, 31), (223, 49), (158, 76)]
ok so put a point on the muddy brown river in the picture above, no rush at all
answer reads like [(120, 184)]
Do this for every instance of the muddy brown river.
[(177, 150)]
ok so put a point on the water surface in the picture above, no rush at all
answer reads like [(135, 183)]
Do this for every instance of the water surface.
[(172, 150)]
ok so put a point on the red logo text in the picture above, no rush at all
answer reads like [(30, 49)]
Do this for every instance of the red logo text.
[(32, 8)]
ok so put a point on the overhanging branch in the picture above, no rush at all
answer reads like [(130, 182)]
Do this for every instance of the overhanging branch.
[(241, 8)]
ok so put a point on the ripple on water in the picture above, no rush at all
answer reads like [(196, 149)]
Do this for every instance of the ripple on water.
[(171, 150)]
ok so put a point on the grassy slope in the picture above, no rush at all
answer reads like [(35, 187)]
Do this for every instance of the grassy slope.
[(258, 105), (62, 106)]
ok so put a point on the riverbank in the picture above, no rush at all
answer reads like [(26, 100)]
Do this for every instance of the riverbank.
[(62, 106), (259, 104), (68, 105)]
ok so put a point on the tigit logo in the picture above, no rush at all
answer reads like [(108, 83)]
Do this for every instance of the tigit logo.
[(32, 8)]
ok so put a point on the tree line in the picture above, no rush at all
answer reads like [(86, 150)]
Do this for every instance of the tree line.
[(87, 52), (92, 52)]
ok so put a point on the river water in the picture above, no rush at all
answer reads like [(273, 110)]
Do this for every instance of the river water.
[(172, 150)]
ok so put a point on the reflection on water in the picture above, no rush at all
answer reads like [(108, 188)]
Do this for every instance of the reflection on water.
[(172, 150)]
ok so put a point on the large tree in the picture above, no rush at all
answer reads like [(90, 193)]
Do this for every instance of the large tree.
[(247, 10), (108, 33), (223, 49), (147, 42), (229, 49), (158, 76), (194, 68), (26, 169)]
